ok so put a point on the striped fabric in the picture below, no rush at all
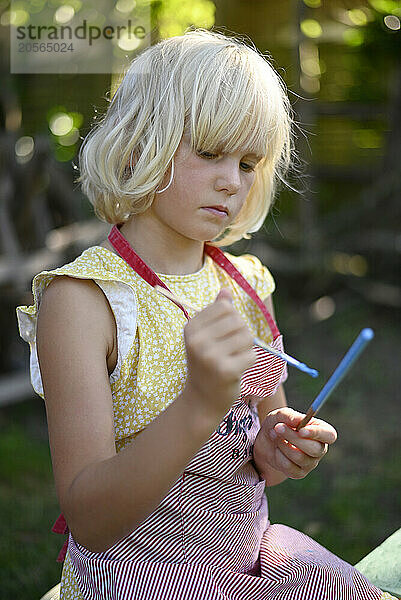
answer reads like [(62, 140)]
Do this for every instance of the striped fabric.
[(210, 537), (261, 380)]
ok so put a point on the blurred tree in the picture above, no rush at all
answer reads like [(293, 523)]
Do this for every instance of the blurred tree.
[(345, 82)]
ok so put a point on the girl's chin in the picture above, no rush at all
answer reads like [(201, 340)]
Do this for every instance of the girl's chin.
[(215, 237), (207, 234)]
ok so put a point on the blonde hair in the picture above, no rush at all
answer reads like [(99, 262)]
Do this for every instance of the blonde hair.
[(222, 92)]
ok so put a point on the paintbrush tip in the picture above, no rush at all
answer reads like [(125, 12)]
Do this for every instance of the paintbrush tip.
[(308, 370)]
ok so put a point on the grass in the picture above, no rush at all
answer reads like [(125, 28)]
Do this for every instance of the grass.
[(28, 505), (350, 504)]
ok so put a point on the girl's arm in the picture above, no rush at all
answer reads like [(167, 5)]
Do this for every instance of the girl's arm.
[(104, 495)]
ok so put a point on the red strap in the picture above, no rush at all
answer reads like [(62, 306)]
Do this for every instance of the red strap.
[(60, 526), (125, 250), (222, 260), (63, 552)]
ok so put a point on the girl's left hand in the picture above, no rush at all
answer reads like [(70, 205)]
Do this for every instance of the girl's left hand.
[(295, 453)]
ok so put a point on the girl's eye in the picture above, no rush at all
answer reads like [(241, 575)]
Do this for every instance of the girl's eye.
[(247, 168), (207, 155)]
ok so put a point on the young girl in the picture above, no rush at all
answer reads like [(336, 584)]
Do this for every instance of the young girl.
[(165, 424)]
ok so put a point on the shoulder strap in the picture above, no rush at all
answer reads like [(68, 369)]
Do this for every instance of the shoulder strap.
[(220, 258), (125, 250)]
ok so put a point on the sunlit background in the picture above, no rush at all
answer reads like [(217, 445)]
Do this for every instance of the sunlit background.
[(332, 241)]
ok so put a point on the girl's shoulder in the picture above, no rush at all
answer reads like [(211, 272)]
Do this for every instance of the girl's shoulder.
[(93, 262), (97, 263), (255, 272), (111, 274)]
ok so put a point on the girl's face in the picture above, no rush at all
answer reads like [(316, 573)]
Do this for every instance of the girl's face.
[(201, 182)]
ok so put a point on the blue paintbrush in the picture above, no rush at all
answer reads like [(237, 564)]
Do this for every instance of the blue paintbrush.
[(286, 357), (353, 353)]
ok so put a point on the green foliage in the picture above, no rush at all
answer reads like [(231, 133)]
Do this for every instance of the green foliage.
[(28, 508), (20, 469), (386, 6), (175, 16)]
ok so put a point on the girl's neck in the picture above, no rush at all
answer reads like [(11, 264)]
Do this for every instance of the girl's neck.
[(162, 255)]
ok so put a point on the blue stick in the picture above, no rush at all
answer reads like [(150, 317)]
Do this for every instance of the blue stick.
[(288, 359), (353, 353)]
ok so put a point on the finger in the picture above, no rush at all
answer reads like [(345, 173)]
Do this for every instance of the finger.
[(220, 307), (285, 415), (240, 343), (244, 360), (319, 430), (224, 294), (310, 447), (287, 466), (297, 457), (233, 345), (230, 324)]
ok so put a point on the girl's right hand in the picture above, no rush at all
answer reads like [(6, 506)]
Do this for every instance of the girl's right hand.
[(218, 344)]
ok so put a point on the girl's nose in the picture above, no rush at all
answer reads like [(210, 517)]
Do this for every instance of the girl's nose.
[(229, 178)]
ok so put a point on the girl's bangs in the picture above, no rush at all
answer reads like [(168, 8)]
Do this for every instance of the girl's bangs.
[(232, 117)]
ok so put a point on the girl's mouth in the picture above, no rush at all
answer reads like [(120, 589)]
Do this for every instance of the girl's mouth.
[(219, 211)]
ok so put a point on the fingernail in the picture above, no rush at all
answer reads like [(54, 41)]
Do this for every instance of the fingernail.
[(272, 434), (280, 428), (304, 432)]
